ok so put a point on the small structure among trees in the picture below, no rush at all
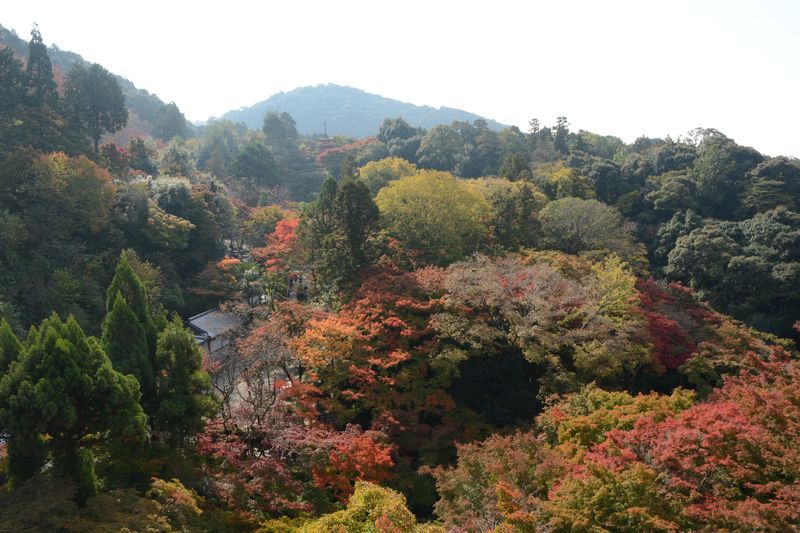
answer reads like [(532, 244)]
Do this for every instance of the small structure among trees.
[(212, 329)]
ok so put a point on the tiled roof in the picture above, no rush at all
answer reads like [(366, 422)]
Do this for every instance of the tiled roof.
[(214, 322)]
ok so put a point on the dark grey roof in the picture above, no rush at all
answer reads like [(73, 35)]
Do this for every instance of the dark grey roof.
[(214, 322)]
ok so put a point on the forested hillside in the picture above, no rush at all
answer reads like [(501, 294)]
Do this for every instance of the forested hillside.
[(147, 114), (346, 111), (452, 328)]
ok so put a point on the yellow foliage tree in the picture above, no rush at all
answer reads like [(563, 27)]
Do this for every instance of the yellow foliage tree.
[(377, 174), (435, 214), (371, 509)]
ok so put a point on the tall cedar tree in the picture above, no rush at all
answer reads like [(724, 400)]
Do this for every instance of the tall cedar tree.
[(356, 215), (125, 339), (129, 332), (341, 220), (41, 85), (134, 292), (12, 84), (183, 387), (255, 162), (94, 101)]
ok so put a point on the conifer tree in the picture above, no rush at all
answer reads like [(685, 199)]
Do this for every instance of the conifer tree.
[(41, 85), (62, 398), (321, 213), (183, 387), (94, 102), (356, 214), (134, 293), (341, 220), (125, 339), (12, 85), (129, 332), (10, 347)]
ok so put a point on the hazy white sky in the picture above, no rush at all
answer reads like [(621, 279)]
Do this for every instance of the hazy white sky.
[(624, 68)]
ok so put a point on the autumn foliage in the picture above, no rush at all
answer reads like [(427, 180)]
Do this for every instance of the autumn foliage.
[(611, 461), (490, 331)]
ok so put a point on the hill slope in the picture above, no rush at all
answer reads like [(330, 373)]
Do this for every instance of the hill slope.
[(142, 105), (347, 111)]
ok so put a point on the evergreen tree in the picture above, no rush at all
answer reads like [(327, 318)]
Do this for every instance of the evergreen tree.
[(125, 340), (129, 331), (141, 157), (60, 399), (349, 168), (170, 122), (94, 102), (38, 123), (183, 387), (255, 162), (41, 85), (355, 214), (10, 347), (133, 291), (280, 129), (340, 222), (12, 85), (561, 134), (321, 213)]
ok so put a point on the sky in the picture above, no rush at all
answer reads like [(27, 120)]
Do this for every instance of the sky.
[(624, 68)]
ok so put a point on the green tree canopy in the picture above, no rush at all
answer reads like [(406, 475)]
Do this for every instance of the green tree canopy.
[(39, 70), (280, 128), (125, 339), (256, 164), (574, 225), (377, 174), (170, 122), (183, 387), (720, 170), (514, 205), (395, 128), (61, 398), (774, 182), (10, 347), (439, 148), (356, 214), (12, 85), (94, 102)]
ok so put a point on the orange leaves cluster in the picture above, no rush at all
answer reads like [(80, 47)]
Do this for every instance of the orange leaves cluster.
[(282, 245), (228, 263), (330, 339)]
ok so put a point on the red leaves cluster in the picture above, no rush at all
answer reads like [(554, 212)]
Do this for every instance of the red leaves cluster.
[(733, 461), (281, 244), (372, 358), (344, 149), (274, 448), (672, 346), (730, 463), (276, 465), (256, 475), (354, 455)]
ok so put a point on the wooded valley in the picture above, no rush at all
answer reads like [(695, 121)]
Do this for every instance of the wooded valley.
[(454, 329)]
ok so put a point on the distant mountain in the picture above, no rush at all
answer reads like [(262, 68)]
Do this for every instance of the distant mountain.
[(143, 106), (347, 111)]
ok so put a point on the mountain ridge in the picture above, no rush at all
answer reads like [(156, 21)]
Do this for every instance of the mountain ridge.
[(347, 111)]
